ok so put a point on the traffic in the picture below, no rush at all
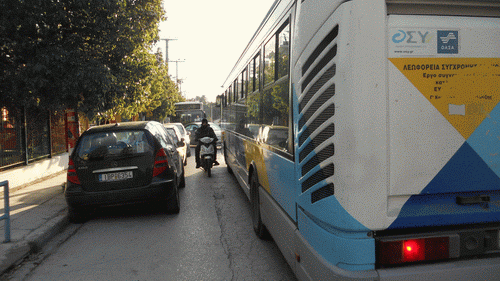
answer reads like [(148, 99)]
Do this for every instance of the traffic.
[(210, 238), (350, 140)]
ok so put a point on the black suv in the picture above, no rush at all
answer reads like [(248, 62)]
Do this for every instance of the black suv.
[(123, 163)]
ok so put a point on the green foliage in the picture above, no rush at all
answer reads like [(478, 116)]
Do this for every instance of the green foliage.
[(202, 99), (167, 94), (93, 54)]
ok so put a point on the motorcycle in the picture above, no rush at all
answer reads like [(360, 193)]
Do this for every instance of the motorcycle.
[(207, 154)]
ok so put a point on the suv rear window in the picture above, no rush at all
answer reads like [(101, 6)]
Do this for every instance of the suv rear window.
[(99, 145)]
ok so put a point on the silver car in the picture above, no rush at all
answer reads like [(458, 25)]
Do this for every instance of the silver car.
[(181, 145), (185, 134)]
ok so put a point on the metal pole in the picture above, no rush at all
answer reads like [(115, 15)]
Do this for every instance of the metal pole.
[(6, 216), (7, 213), (176, 69), (166, 48), (25, 139), (50, 133)]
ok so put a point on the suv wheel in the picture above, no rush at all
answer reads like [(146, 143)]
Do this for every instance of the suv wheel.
[(173, 205)]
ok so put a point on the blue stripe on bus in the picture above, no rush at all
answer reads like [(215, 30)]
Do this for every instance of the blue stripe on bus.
[(329, 213), (466, 171), (349, 250), (282, 183), (466, 174), (442, 209), (473, 170), (485, 140)]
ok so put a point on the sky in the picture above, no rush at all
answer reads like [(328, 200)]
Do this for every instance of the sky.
[(210, 37)]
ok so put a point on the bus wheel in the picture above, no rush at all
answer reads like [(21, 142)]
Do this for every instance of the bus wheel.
[(258, 226), (229, 170)]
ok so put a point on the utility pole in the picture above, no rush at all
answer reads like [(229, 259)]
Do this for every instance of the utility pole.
[(176, 68), (166, 47), (179, 82)]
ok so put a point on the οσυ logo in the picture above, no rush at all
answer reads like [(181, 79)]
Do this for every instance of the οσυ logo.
[(411, 37), (399, 37)]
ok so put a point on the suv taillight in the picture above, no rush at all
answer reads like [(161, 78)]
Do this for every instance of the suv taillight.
[(72, 176), (161, 162), (412, 250)]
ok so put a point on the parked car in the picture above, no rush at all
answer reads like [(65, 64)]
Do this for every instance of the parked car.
[(192, 127), (185, 134), (123, 163), (182, 146)]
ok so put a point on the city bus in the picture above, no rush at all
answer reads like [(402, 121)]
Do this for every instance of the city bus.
[(187, 112), (365, 134)]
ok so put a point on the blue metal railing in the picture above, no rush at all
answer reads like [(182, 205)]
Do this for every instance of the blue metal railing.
[(6, 215)]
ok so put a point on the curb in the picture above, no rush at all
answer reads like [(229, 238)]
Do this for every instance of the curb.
[(15, 253), (34, 242), (38, 238)]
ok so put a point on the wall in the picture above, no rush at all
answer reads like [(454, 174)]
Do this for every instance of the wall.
[(21, 176)]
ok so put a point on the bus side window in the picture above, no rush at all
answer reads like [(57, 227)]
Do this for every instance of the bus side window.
[(270, 60), (275, 104)]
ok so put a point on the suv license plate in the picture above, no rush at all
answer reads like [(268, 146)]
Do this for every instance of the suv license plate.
[(116, 176)]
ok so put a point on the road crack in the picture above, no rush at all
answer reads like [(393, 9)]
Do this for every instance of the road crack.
[(219, 206)]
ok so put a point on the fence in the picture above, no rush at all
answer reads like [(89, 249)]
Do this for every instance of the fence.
[(30, 134)]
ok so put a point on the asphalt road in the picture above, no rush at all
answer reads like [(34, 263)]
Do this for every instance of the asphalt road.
[(210, 239)]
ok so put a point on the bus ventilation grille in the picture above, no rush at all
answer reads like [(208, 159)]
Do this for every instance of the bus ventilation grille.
[(321, 193), (316, 125)]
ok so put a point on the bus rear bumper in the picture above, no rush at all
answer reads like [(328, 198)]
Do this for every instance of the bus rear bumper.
[(313, 267), (477, 269)]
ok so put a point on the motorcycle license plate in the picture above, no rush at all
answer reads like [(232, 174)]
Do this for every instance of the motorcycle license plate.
[(119, 176), (206, 150)]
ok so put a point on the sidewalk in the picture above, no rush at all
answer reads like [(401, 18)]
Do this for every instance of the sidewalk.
[(38, 211)]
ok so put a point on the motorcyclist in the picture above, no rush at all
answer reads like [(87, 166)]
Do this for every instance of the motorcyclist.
[(204, 131)]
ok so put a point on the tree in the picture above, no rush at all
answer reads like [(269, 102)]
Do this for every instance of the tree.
[(202, 99), (93, 54), (167, 98)]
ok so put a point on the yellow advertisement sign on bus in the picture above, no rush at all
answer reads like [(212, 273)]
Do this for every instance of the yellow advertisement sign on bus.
[(463, 90)]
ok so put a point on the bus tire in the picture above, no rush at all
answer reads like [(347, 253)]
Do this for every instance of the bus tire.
[(229, 170), (259, 227)]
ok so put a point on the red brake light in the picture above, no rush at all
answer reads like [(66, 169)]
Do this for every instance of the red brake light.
[(412, 250), (72, 176), (161, 162)]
